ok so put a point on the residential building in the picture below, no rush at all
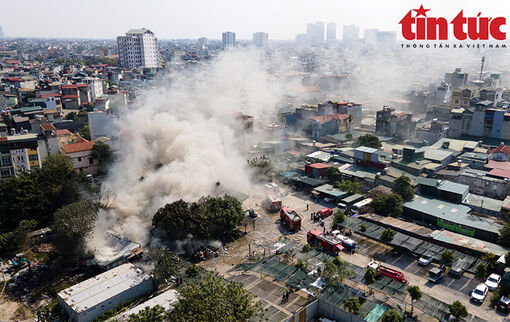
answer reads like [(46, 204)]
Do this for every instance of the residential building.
[(138, 49), (370, 36), (432, 132), (392, 124), (95, 87), (368, 157), (102, 123), (202, 41), (89, 299), (228, 39), (481, 184), (81, 155), (442, 189), (500, 153), (483, 205), (260, 39), (317, 170), (331, 31), (456, 79), (386, 39), (323, 125), (2, 35), (48, 141), (18, 153)]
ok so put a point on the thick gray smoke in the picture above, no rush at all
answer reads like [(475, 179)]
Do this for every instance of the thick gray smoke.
[(184, 139)]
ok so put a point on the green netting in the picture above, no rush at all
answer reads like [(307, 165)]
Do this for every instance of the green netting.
[(375, 314)]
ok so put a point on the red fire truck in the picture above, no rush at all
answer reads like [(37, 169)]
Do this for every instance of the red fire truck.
[(290, 218), (386, 271), (330, 244)]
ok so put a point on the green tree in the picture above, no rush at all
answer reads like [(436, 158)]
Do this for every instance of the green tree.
[(103, 154), (387, 235), (350, 186), (352, 305), (338, 217), (507, 259), (73, 223), (85, 132), (149, 314), (334, 175), (415, 293), (370, 275), (166, 263), (192, 271), (387, 204), (368, 140), (504, 235), (481, 270), (447, 256), (335, 271), (306, 248), (175, 218), (392, 316), (458, 310), (212, 298), (348, 136), (363, 228), (404, 188), (13, 242), (262, 165)]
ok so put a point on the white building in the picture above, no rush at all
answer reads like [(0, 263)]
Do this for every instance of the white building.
[(229, 39), (93, 297), (138, 49), (166, 300), (95, 87), (260, 39), (81, 155)]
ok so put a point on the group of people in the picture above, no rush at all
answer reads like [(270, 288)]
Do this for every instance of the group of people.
[(285, 297)]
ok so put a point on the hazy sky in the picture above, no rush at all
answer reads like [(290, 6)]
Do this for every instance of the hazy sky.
[(171, 19)]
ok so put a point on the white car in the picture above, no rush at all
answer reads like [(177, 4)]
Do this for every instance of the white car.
[(493, 281), (479, 293), (425, 260)]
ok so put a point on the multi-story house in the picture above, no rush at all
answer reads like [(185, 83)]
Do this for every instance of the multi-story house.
[(138, 49), (18, 153)]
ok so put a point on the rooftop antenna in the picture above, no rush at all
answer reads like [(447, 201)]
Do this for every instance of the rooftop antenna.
[(481, 67)]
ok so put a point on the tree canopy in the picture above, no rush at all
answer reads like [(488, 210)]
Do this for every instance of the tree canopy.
[(149, 314), (37, 194), (504, 235), (392, 316), (103, 154), (415, 293), (458, 310), (334, 175), (352, 305), (335, 271), (351, 186), (166, 263), (212, 298), (404, 188), (370, 275), (447, 256), (388, 234), (387, 204), (73, 223), (209, 217), (368, 140)]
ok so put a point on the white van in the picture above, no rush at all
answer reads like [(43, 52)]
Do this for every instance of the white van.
[(357, 206)]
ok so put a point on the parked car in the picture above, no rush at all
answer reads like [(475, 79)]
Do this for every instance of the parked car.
[(479, 293), (504, 304), (492, 281), (425, 260), (437, 273)]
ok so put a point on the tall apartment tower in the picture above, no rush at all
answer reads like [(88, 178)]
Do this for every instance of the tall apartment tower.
[(350, 33), (229, 39), (138, 49), (260, 39), (331, 31)]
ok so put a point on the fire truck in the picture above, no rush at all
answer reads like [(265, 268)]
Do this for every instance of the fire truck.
[(290, 218), (386, 271), (325, 212), (330, 244)]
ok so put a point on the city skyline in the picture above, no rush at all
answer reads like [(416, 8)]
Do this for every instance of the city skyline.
[(282, 20)]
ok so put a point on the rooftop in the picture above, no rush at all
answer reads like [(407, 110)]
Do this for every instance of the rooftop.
[(332, 191), (104, 286), (483, 202), (467, 242), (366, 149), (82, 145), (459, 214), (166, 300)]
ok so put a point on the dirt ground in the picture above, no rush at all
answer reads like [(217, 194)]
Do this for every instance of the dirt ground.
[(13, 311)]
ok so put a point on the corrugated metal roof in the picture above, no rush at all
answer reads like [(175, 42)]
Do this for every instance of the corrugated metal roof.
[(166, 300), (456, 213), (332, 191)]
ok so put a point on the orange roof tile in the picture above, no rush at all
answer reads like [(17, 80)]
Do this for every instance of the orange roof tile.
[(81, 145)]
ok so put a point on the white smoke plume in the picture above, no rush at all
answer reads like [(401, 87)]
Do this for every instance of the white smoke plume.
[(184, 139)]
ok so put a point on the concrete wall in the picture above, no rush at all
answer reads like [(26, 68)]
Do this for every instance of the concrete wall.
[(336, 313)]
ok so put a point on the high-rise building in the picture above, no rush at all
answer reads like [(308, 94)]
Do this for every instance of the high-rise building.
[(370, 36), (138, 49), (260, 39), (331, 31), (202, 41), (319, 30), (386, 39), (228, 39), (350, 33), (314, 33)]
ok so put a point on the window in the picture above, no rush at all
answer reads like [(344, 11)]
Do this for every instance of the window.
[(6, 161), (5, 173), (79, 159), (91, 161)]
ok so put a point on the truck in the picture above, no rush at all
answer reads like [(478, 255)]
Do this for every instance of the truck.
[(436, 273), (290, 219), (387, 271), (357, 206), (348, 243), (329, 243)]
